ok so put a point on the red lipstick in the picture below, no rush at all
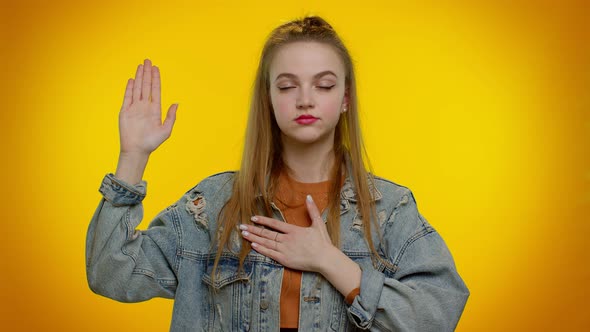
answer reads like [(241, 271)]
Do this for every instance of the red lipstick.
[(306, 119)]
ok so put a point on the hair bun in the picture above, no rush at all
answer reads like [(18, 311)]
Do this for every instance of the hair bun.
[(315, 22)]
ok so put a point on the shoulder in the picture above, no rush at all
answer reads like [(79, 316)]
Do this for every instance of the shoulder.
[(216, 181), (390, 192), (400, 206), (214, 188), (205, 199)]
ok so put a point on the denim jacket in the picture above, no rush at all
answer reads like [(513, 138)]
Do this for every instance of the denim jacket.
[(418, 289)]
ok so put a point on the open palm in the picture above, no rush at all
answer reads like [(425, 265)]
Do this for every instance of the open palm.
[(140, 120)]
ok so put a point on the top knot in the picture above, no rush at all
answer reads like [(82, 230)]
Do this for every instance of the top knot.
[(312, 23)]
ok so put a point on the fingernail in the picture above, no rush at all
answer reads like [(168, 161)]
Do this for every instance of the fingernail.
[(254, 219), (309, 199), (243, 227), (245, 233)]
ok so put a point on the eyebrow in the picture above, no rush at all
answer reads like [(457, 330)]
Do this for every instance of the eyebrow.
[(318, 75)]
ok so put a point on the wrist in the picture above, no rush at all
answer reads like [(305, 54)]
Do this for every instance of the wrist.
[(340, 271), (131, 167), (133, 155)]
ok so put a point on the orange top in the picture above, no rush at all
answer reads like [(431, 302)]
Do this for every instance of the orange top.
[(290, 198)]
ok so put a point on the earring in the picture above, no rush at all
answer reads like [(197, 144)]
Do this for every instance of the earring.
[(343, 109)]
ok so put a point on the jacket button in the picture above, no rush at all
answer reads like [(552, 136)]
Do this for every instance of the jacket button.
[(263, 304)]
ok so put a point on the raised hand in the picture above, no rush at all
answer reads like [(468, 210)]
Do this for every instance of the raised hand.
[(141, 129)]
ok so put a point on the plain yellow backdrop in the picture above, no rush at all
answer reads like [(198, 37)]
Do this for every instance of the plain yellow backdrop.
[(481, 109)]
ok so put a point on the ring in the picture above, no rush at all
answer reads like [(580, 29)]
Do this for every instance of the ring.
[(276, 235)]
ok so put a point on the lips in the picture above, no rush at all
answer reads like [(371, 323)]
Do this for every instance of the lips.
[(306, 119)]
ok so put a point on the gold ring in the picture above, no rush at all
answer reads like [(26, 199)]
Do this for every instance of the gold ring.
[(276, 235)]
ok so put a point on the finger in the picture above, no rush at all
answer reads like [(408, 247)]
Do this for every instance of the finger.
[(170, 118), (280, 226), (260, 231), (156, 87), (312, 209), (146, 84), (277, 256), (128, 98), (260, 240), (137, 84)]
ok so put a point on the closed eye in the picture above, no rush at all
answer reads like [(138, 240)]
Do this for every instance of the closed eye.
[(320, 87)]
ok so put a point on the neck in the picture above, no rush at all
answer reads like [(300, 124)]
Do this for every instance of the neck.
[(309, 163)]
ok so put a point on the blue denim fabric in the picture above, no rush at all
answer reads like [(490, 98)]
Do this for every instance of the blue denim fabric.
[(418, 289)]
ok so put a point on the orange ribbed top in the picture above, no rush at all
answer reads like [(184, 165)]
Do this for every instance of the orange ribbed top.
[(290, 198)]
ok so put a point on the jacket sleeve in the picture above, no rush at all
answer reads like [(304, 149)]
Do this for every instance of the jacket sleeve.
[(424, 292), (123, 263)]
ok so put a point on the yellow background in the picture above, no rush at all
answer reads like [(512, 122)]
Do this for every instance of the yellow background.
[(481, 109)]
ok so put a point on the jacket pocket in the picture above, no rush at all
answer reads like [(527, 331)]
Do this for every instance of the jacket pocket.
[(230, 294)]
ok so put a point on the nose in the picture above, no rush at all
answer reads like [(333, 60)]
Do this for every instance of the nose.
[(304, 99)]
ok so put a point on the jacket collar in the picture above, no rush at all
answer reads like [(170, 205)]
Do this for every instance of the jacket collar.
[(348, 194)]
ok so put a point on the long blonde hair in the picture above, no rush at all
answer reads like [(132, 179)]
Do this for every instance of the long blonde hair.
[(262, 155)]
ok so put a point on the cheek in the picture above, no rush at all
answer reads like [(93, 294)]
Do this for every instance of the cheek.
[(332, 108), (281, 105)]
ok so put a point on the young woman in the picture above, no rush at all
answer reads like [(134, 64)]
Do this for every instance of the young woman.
[(301, 237)]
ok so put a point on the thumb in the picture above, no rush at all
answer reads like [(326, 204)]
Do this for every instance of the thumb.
[(170, 118), (314, 212)]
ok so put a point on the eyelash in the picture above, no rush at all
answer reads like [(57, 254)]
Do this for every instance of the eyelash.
[(321, 87)]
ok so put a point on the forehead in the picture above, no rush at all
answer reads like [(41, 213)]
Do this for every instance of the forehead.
[(305, 59)]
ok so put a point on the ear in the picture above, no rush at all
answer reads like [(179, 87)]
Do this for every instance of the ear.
[(346, 98), (344, 107)]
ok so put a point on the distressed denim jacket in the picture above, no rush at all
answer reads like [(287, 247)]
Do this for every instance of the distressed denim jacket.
[(418, 289)]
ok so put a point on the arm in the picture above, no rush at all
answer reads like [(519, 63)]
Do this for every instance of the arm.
[(341, 272), (425, 292), (123, 263)]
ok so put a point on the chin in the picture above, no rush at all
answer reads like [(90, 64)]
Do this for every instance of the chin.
[(303, 139)]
